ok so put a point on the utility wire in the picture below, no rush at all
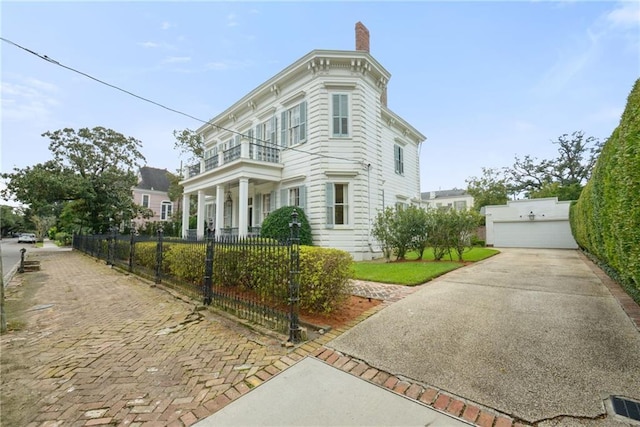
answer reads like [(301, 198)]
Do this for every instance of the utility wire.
[(173, 110)]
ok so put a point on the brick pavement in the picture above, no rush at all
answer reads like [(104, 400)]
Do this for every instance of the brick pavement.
[(104, 348), (382, 291)]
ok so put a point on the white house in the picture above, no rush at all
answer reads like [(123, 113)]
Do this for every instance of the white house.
[(318, 135), (530, 223), (448, 199)]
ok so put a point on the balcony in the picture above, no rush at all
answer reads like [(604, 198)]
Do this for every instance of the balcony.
[(244, 151)]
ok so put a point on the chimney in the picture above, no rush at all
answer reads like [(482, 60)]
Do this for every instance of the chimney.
[(362, 37)]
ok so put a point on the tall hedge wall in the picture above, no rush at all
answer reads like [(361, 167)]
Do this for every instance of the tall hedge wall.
[(606, 219)]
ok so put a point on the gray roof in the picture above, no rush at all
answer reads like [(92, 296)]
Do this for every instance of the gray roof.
[(443, 193), (153, 179)]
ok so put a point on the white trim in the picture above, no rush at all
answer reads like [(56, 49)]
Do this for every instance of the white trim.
[(341, 85), (345, 174), (293, 98)]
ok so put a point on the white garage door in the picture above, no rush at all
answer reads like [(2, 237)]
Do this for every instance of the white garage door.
[(534, 234)]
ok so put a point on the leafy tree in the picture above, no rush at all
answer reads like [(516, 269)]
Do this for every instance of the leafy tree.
[(276, 225), (90, 177), (383, 231), (563, 176), (189, 142), (10, 220), (491, 188), (463, 224)]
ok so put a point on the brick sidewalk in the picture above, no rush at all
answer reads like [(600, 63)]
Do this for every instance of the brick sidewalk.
[(104, 348)]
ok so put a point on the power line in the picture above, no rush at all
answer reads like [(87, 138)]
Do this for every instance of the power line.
[(157, 104)]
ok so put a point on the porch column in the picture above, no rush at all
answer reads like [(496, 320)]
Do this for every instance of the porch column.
[(219, 209), (185, 215), (243, 207), (201, 216)]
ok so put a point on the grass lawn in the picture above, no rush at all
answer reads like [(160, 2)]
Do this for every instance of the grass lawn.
[(415, 273), (402, 273)]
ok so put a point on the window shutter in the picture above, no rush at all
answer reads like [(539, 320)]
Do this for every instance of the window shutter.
[(330, 203), (303, 197), (303, 121), (283, 197), (259, 135), (395, 158), (283, 129), (272, 202), (237, 140), (257, 202), (274, 130), (250, 135)]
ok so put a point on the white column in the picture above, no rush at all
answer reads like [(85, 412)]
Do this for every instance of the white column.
[(244, 148), (201, 215), (243, 207), (185, 215), (219, 209)]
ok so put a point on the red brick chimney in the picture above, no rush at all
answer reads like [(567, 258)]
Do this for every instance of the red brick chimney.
[(362, 37)]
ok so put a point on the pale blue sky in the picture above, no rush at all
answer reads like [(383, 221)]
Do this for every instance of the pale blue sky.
[(483, 81)]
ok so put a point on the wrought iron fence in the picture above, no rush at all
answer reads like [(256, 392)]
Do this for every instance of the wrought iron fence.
[(251, 277)]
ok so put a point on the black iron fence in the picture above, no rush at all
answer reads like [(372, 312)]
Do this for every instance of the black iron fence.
[(251, 277)]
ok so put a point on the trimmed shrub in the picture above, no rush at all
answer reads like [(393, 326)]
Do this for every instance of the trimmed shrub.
[(63, 238), (276, 225), (606, 219), (324, 278)]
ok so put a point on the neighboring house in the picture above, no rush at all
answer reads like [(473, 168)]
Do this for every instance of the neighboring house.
[(448, 199), (318, 135), (152, 192), (529, 223)]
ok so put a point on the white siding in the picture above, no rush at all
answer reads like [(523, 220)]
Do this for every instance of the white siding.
[(363, 160)]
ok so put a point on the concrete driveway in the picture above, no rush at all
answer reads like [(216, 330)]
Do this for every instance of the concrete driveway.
[(532, 333)]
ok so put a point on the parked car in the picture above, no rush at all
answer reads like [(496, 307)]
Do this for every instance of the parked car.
[(27, 238)]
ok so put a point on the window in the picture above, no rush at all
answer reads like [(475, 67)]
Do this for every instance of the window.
[(340, 114), (266, 205), (337, 204), (460, 205), (145, 200), (266, 132), (294, 125), (294, 196), (166, 210), (398, 157)]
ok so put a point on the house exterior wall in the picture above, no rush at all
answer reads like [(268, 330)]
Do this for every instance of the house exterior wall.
[(155, 202), (449, 201), (363, 160), (548, 227)]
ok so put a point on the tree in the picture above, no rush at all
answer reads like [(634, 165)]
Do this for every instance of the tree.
[(92, 171), (489, 189), (382, 231), (10, 221), (563, 176), (189, 142)]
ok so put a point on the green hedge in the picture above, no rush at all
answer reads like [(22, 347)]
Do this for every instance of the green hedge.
[(276, 225), (605, 221), (324, 272)]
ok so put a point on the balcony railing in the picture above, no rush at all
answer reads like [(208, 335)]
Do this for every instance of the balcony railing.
[(249, 151), (194, 170), (264, 153), (211, 163), (232, 154)]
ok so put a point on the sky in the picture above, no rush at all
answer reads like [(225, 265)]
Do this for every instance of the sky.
[(483, 81)]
